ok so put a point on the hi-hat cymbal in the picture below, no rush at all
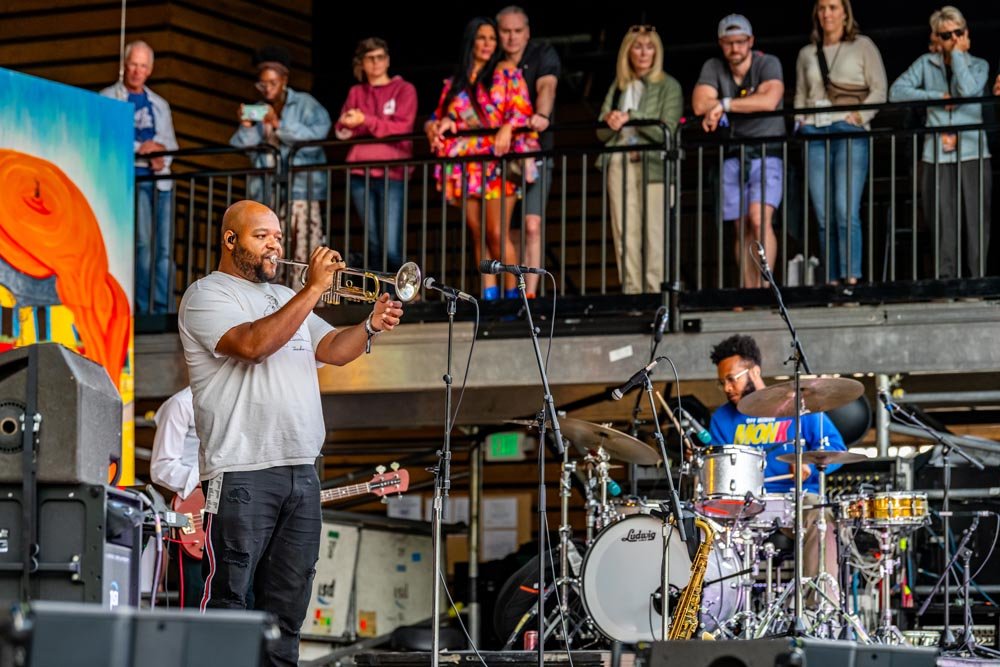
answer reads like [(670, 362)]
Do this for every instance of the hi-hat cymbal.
[(587, 436), (824, 457), (819, 394)]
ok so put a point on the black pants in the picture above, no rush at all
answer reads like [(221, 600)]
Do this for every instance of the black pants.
[(265, 534), (952, 230)]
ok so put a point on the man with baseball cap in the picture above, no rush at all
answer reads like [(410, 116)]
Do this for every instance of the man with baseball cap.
[(745, 81)]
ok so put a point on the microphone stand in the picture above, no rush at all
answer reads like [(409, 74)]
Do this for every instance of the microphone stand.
[(442, 483), (550, 408), (798, 357), (675, 510), (947, 446), (634, 430)]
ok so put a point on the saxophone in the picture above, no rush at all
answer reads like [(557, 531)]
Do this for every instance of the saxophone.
[(685, 619)]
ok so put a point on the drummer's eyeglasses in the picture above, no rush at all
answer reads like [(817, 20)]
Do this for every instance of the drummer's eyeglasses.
[(731, 379)]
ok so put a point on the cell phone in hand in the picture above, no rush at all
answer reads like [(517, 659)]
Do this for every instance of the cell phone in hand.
[(254, 112)]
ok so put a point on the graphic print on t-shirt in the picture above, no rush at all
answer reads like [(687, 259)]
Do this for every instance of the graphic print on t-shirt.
[(389, 107)]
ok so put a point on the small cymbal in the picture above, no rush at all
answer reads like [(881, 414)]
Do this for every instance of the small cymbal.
[(819, 394), (824, 457)]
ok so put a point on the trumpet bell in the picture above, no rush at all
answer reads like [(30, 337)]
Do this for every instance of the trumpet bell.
[(407, 281)]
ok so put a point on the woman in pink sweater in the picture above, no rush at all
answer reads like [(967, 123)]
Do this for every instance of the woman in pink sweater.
[(380, 106)]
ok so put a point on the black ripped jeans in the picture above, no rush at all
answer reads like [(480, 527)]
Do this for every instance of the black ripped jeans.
[(266, 535)]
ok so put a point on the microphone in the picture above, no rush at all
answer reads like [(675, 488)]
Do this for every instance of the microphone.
[(633, 381), (762, 255), (693, 427), (430, 283), (883, 396), (493, 267), (613, 489), (661, 325)]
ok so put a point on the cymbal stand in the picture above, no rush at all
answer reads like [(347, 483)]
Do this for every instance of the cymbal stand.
[(798, 358), (565, 529)]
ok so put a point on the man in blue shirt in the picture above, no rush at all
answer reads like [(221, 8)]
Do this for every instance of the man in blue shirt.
[(738, 361), (154, 133)]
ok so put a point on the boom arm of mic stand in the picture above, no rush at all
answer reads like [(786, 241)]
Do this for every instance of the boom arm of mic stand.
[(765, 272), (938, 437)]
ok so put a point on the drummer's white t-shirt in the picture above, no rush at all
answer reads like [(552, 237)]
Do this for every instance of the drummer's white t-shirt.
[(250, 416)]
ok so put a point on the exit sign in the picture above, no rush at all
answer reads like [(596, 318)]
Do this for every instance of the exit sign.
[(504, 447)]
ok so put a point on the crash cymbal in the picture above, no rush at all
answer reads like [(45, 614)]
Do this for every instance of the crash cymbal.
[(586, 436), (824, 457), (819, 394)]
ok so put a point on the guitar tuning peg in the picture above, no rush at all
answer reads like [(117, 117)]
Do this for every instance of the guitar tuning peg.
[(394, 466), (380, 469), (384, 501)]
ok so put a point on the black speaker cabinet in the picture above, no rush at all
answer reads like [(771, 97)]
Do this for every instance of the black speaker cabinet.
[(797, 652), (70, 635), (89, 541), (81, 416)]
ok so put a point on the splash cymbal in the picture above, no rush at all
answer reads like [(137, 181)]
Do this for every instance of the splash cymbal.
[(587, 436), (819, 394)]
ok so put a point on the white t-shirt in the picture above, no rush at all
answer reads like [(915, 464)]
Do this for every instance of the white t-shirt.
[(250, 416), (174, 463)]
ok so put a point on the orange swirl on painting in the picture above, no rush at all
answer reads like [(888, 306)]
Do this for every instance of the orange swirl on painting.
[(47, 228)]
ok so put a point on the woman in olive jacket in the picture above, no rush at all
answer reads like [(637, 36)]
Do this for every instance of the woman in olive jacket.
[(641, 91)]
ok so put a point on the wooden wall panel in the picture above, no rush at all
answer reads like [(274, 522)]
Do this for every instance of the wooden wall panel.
[(203, 50)]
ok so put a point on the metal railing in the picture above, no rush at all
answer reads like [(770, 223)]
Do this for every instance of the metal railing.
[(578, 226)]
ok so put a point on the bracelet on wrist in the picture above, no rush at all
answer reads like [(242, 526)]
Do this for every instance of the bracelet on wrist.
[(371, 331)]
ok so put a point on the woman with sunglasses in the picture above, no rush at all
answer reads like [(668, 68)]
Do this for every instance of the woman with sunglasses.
[(289, 116), (838, 68), (952, 163), (641, 91), (485, 92)]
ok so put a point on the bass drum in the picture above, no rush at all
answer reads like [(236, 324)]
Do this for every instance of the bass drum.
[(621, 573)]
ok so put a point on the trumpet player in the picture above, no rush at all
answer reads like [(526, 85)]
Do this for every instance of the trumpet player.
[(252, 349)]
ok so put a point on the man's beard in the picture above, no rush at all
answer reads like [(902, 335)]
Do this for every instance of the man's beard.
[(250, 265), (747, 390)]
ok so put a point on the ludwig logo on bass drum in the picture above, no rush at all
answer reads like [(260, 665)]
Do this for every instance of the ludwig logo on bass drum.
[(639, 536)]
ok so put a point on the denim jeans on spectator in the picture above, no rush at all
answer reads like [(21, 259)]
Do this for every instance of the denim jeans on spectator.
[(379, 216), (153, 256), (837, 268)]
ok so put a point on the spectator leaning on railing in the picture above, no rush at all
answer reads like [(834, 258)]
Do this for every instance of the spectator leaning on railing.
[(154, 132), (950, 71), (288, 116), (484, 92), (745, 82), (838, 68), (641, 91), (379, 106), (539, 63)]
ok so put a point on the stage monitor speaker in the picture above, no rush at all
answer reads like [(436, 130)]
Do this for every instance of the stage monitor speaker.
[(81, 409), (789, 652), (62, 634), (89, 541)]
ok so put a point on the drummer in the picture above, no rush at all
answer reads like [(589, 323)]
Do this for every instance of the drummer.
[(738, 361)]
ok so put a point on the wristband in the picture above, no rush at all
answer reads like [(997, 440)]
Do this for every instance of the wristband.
[(727, 103), (543, 115), (371, 332)]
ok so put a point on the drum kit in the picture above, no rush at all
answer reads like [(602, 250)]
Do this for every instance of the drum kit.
[(740, 539)]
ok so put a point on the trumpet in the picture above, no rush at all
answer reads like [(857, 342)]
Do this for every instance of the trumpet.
[(369, 283)]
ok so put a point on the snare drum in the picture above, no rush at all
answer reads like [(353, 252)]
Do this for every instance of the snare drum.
[(897, 508), (725, 475)]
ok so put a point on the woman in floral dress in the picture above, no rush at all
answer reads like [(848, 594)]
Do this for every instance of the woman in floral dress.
[(484, 92)]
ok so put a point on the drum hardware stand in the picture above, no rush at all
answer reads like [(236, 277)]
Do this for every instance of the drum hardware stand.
[(557, 441), (947, 446), (887, 632), (675, 510), (798, 357)]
